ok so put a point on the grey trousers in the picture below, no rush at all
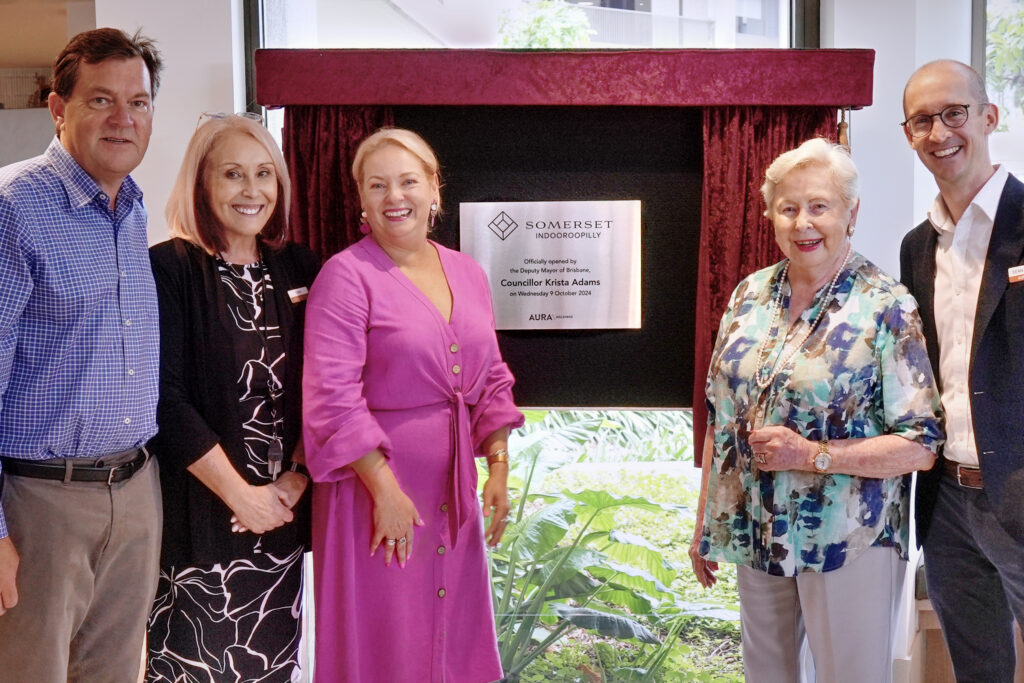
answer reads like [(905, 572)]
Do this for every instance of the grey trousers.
[(848, 617), (975, 574), (89, 566)]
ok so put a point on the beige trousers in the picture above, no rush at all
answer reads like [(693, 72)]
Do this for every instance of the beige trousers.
[(848, 617), (89, 565)]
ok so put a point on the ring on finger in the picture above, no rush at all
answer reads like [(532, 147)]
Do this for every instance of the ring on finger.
[(761, 457), (402, 541), (391, 542)]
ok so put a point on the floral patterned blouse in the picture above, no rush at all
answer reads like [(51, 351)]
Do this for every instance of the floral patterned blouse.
[(863, 372)]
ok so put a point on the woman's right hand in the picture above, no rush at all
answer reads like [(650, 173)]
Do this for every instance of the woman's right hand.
[(258, 509), (703, 569), (394, 521), (394, 515)]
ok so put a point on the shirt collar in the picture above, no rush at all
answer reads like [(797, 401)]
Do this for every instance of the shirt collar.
[(79, 185), (987, 201)]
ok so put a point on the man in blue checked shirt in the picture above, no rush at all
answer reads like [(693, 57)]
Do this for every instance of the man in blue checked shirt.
[(80, 507)]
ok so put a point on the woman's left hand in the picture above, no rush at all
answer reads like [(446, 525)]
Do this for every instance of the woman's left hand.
[(776, 449), (290, 487), (496, 502)]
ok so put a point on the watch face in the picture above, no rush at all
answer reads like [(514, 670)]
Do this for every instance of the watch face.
[(822, 461)]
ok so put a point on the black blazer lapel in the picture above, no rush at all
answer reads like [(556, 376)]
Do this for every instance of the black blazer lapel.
[(1004, 251), (924, 292)]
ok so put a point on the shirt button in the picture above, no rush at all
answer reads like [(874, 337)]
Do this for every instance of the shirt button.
[(440, 592), (127, 420), (441, 550), (456, 369), (444, 507), (124, 273), (454, 348), (128, 323), (131, 371)]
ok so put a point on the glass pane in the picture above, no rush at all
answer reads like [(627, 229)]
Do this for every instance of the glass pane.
[(1004, 80)]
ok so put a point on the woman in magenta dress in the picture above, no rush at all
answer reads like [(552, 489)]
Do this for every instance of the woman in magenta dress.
[(404, 387)]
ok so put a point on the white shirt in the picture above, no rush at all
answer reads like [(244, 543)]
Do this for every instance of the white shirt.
[(959, 264)]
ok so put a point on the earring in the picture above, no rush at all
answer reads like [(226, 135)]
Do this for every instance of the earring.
[(433, 213), (850, 229), (364, 226)]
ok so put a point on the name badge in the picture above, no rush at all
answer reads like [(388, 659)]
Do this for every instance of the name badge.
[(1016, 273), (300, 294)]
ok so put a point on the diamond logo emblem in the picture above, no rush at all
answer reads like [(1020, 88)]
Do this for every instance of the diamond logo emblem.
[(502, 225)]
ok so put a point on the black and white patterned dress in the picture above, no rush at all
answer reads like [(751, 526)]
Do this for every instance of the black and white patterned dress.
[(240, 620)]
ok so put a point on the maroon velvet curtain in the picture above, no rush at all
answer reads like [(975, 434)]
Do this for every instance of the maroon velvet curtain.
[(319, 144), (736, 239)]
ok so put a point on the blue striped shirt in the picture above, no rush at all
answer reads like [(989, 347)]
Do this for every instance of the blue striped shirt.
[(79, 337)]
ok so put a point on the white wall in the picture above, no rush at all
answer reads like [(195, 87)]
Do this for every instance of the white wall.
[(896, 190), (200, 41), (24, 133)]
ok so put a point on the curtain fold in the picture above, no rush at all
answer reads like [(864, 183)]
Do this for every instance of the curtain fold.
[(319, 144), (736, 239)]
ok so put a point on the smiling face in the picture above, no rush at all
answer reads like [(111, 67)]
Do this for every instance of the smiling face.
[(106, 122), (957, 157), (811, 221), (396, 192), (241, 187)]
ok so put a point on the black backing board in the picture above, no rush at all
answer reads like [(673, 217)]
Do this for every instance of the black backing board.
[(653, 154)]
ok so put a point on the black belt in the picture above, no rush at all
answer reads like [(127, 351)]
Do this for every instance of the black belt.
[(78, 471)]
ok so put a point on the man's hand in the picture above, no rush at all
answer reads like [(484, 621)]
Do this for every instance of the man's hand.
[(8, 572)]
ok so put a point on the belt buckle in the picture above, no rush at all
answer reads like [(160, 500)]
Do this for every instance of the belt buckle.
[(960, 481), (110, 476)]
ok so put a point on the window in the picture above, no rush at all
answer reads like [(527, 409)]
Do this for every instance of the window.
[(1004, 80)]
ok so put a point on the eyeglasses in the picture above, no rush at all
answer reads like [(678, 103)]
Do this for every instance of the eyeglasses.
[(253, 116), (953, 116)]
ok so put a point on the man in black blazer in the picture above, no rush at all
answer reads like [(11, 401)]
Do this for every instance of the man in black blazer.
[(965, 265)]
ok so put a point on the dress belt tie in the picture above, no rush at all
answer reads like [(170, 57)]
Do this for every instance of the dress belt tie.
[(462, 468)]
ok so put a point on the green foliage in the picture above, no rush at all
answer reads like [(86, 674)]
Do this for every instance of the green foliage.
[(592, 581), (545, 24), (1004, 57)]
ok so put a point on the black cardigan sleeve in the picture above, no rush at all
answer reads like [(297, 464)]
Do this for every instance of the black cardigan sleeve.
[(184, 436)]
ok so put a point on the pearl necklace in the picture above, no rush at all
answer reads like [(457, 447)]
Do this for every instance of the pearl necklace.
[(776, 322)]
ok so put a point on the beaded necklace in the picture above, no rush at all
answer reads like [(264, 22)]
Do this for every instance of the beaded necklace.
[(764, 382)]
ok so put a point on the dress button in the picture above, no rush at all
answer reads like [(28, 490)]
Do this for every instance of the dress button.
[(456, 369), (440, 592), (444, 507), (454, 348), (441, 550)]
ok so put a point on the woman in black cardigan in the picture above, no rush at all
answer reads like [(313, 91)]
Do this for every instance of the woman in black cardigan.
[(232, 303)]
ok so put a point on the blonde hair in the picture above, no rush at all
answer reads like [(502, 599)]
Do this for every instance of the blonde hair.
[(405, 139), (188, 211), (815, 152)]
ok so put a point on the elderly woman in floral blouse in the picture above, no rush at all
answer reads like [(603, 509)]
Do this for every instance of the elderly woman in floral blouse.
[(821, 400)]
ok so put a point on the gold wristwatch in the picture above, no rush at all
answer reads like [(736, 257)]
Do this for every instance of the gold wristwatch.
[(823, 459)]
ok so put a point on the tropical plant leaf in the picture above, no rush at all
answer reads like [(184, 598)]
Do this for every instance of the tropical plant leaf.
[(629, 576), (541, 531), (534, 416), (707, 610), (634, 602), (602, 500), (611, 625), (638, 552)]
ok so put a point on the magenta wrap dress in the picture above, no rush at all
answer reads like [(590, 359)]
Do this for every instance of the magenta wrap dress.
[(383, 369)]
